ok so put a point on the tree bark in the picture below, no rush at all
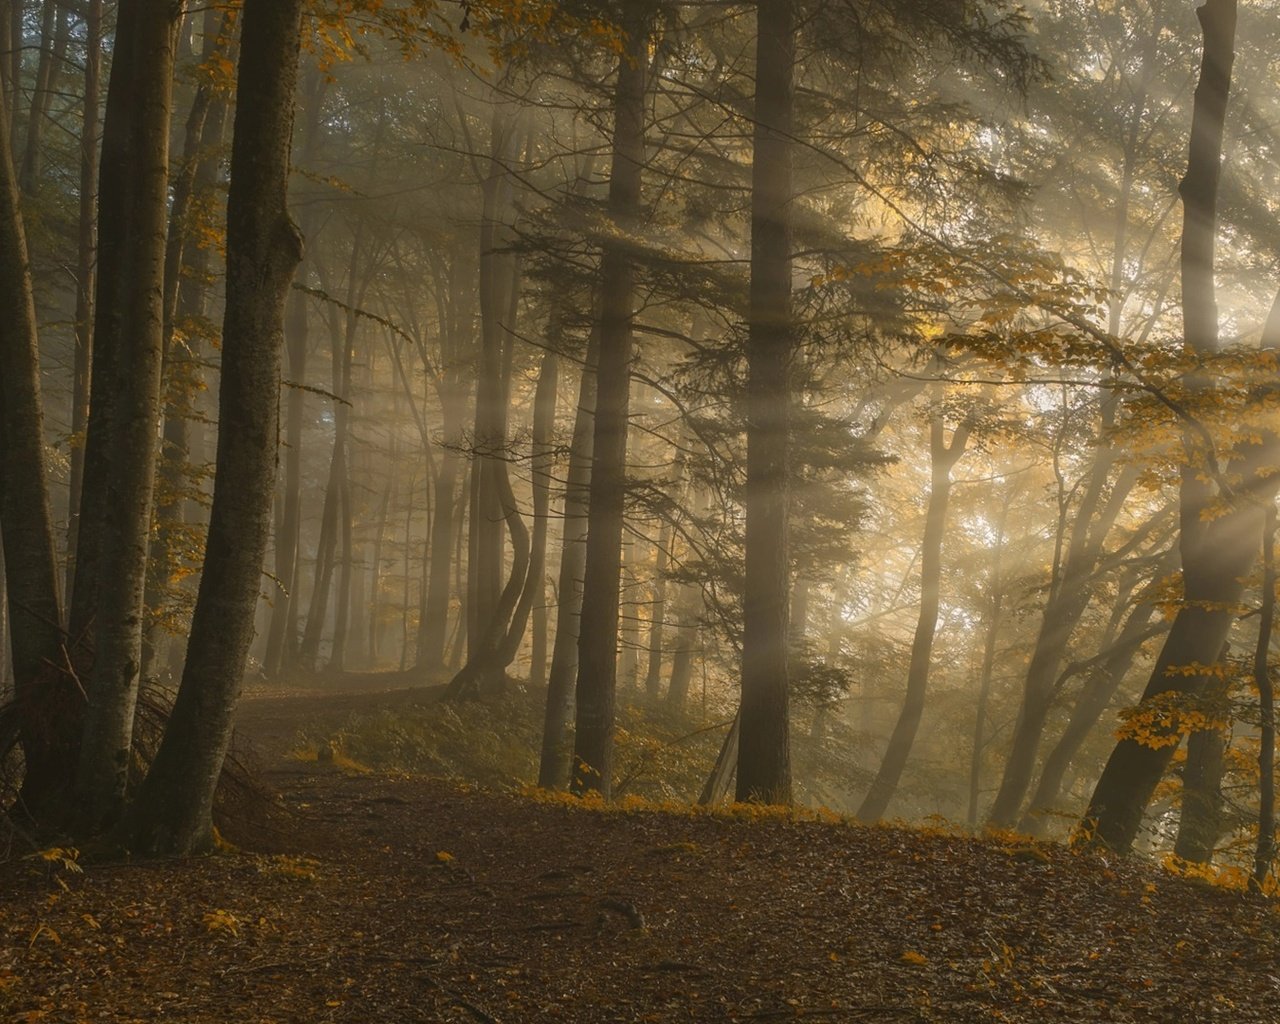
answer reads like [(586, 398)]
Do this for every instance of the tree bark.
[(86, 267), (174, 808), (764, 746), (944, 457), (50, 717), (1265, 853), (553, 770), (542, 465), (135, 176), (598, 622)]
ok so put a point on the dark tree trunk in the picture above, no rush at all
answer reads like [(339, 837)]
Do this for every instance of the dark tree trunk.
[(86, 263), (944, 457), (1215, 554), (628, 619), (1201, 824), (49, 714), (121, 447), (174, 807), (553, 770), (764, 746), (602, 570)]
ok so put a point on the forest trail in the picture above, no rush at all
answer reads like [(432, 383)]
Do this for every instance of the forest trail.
[(406, 899)]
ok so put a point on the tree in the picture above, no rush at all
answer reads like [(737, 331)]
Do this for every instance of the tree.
[(764, 758), (602, 570), (121, 444), (173, 812), (1218, 548)]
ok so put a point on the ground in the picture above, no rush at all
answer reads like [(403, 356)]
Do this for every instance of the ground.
[(405, 899)]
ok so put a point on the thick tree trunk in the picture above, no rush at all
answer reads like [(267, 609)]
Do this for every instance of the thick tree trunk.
[(86, 266), (1201, 824), (602, 570), (764, 746), (174, 808), (553, 770), (944, 457), (49, 715), (1217, 553), (130, 326)]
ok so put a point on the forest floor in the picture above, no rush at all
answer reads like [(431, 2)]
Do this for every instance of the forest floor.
[(407, 899)]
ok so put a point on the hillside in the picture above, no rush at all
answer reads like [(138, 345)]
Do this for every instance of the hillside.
[(405, 899)]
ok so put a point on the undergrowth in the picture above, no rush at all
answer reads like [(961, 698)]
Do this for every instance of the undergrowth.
[(658, 755)]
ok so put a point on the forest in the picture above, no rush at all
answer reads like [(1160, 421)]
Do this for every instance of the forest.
[(612, 479)]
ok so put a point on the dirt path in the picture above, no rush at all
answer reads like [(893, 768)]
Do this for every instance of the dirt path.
[(415, 900)]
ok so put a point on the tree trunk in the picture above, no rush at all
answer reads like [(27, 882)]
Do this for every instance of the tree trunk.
[(553, 770), (86, 266), (53, 47), (1099, 688), (995, 591), (542, 466), (186, 273), (1265, 854), (135, 176), (174, 808), (1201, 823), (944, 457), (764, 746), (657, 616), (1066, 604), (602, 570), (282, 635), (1215, 554), (50, 715)]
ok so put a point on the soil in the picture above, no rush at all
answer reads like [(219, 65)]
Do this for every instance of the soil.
[(404, 899)]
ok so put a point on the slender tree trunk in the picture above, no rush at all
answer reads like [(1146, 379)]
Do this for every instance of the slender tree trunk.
[(186, 276), (657, 616), (53, 47), (282, 635), (764, 745), (553, 770), (86, 263), (1066, 604), (995, 591), (944, 458), (174, 809), (1265, 856), (628, 619), (1099, 688), (131, 297), (598, 622), (543, 463), (50, 715)]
